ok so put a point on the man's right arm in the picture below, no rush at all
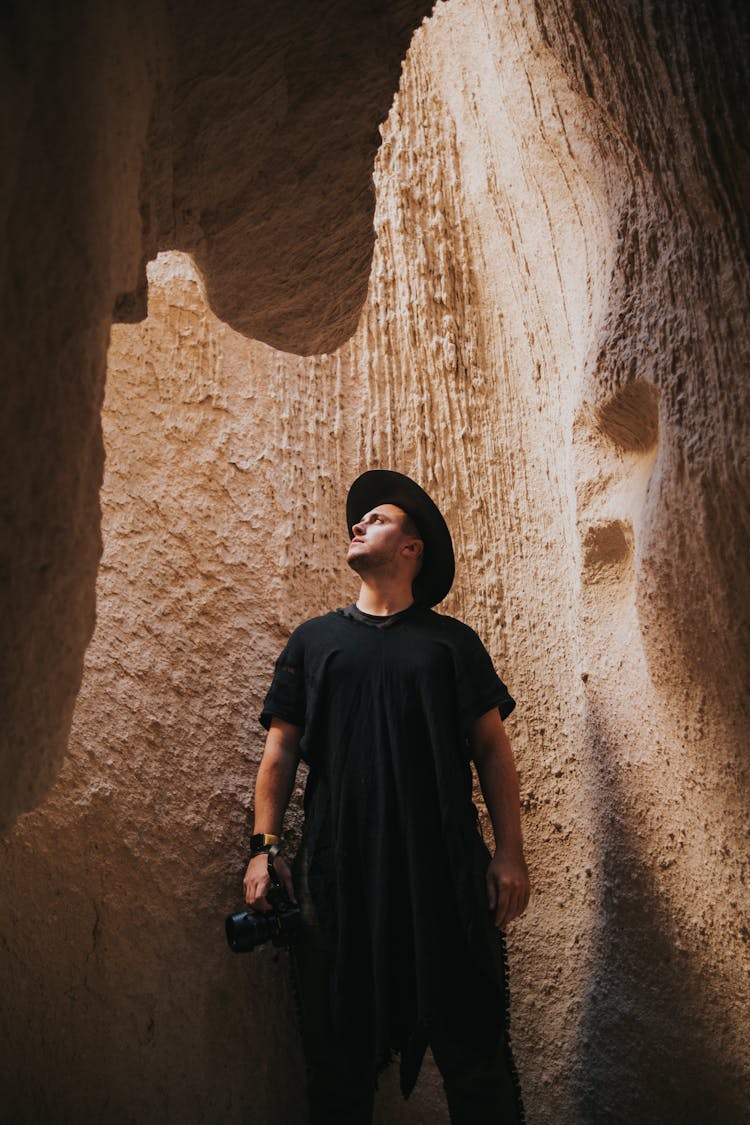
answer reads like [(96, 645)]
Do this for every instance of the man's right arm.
[(273, 788)]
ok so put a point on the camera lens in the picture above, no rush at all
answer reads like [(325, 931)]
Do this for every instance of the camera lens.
[(246, 930)]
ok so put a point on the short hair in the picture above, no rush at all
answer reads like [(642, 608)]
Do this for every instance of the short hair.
[(409, 527)]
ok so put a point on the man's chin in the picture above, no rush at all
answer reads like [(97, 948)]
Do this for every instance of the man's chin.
[(356, 562), (361, 561)]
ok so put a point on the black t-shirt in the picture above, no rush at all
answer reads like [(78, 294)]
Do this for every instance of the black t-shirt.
[(396, 862)]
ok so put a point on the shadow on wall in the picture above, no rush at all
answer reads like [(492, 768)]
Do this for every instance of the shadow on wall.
[(652, 1043), (657, 1040), (125, 998)]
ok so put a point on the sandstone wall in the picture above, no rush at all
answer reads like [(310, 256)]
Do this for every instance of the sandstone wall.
[(77, 86), (555, 344), (242, 133)]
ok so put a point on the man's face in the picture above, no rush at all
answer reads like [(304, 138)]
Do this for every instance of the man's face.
[(378, 539)]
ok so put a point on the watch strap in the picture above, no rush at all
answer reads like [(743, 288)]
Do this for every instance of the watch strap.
[(262, 842)]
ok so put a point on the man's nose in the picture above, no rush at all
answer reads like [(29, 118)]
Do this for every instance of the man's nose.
[(358, 528)]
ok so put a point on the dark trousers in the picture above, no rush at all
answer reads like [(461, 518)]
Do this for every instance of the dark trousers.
[(479, 1090)]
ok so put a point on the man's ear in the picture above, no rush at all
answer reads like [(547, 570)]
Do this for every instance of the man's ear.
[(414, 547)]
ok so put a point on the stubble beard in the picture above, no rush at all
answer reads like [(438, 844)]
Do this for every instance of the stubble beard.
[(366, 564)]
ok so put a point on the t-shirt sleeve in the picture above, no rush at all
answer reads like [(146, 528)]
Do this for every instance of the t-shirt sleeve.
[(286, 695), (479, 686)]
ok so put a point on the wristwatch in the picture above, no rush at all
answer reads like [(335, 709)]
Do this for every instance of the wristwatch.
[(262, 842)]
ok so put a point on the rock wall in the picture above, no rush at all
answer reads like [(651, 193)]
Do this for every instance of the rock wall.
[(216, 129), (555, 343), (77, 87)]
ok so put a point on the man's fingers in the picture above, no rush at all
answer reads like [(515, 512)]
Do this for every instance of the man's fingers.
[(512, 901), (499, 899), (257, 883), (255, 893), (513, 907), (516, 901), (507, 888), (503, 900)]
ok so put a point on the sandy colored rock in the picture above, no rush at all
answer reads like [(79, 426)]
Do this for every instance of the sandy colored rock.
[(244, 133), (555, 343)]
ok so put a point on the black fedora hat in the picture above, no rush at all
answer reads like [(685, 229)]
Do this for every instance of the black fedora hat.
[(383, 486)]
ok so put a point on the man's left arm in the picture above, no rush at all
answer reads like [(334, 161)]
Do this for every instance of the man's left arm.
[(507, 875)]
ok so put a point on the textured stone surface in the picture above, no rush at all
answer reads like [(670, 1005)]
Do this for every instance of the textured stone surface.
[(71, 241), (272, 177), (244, 133), (555, 343)]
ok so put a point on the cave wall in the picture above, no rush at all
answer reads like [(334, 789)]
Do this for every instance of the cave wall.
[(77, 87), (242, 133), (555, 343)]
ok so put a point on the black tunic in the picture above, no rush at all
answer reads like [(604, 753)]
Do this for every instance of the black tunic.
[(396, 861)]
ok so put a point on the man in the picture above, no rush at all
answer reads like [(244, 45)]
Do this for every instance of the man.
[(388, 701)]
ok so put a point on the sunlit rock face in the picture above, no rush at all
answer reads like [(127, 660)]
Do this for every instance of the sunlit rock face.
[(243, 133), (554, 342)]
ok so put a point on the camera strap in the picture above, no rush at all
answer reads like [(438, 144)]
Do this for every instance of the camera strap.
[(273, 851)]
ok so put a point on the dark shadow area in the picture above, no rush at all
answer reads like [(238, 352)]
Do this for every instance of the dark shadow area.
[(651, 1030)]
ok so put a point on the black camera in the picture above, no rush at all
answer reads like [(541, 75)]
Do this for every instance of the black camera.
[(280, 925)]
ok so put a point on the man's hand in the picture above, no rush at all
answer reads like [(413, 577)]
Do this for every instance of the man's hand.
[(257, 881), (273, 787), (507, 874), (507, 888)]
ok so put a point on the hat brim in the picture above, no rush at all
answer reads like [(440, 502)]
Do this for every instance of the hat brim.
[(383, 486)]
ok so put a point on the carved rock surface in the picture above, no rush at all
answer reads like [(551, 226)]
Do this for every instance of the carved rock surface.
[(77, 86), (555, 344), (244, 133)]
